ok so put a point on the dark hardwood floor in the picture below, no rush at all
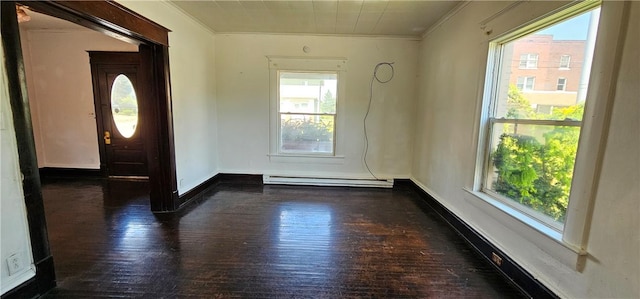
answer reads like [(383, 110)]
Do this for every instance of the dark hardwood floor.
[(254, 241)]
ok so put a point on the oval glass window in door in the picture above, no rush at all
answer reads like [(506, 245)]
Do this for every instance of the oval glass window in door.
[(124, 106)]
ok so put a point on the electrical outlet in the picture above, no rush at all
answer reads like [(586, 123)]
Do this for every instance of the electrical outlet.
[(14, 262), (496, 259)]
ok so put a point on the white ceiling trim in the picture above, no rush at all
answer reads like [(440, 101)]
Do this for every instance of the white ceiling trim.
[(446, 17), (401, 37), (190, 17)]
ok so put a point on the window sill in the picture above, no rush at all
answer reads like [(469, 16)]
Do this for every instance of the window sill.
[(302, 158), (520, 216), (533, 230)]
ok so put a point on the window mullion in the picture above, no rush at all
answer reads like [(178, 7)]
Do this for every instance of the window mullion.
[(307, 113), (542, 122)]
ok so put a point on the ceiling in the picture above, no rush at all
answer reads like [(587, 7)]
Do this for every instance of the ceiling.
[(350, 17), (363, 17)]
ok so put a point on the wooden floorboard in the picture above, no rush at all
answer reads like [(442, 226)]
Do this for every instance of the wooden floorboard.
[(254, 241)]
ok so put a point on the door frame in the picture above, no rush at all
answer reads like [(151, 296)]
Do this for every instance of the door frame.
[(117, 21), (99, 59)]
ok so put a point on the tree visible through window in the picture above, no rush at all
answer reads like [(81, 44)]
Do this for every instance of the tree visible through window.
[(531, 151)]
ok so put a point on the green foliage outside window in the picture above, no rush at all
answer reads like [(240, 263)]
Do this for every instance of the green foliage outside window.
[(126, 106), (517, 105), (536, 174), (307, 130), (328, 103)]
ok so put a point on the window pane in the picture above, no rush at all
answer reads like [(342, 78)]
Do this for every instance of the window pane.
[(301, 133), (520, 83), (308, 92), (532, 62), (564, 61), (523, 61), (529, 83), (530, 70), (533, 165), (562, 82), (124, 106)]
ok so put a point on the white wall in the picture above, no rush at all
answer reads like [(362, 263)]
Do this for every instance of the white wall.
[(193, 91), (243, 104), (614, 241), (451, 75), (13, 213), (61, 94)]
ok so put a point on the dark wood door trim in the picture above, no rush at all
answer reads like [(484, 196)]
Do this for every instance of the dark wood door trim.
[(154, 65), (118, 21), (118, 62), (106, 16), (16, 80)]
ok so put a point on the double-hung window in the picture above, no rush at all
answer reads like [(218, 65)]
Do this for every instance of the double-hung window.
[(529, 154), (307, 112), (306, 101)]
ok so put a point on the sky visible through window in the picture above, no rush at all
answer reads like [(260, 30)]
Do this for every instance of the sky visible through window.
[(572, 29)]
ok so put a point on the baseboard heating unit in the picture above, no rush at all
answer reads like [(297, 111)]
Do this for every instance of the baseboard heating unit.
[(320, 181)]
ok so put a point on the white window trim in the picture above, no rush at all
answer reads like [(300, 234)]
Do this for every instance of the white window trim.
[(280, 113), (593, 136), (525, 80), (528, 60), (568, 62), (564, 84), (306, 64)]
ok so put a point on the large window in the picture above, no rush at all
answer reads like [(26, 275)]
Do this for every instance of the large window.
[(529, 152), (306, 99), (307, 110)]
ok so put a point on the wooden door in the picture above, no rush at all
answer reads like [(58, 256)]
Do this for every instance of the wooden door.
[(118, 96)]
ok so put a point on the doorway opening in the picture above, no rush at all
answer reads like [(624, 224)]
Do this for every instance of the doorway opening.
[(66, 110), (151, 42), (117, 21)]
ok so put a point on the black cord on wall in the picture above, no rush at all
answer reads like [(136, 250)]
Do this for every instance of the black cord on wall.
[(374, 76)]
